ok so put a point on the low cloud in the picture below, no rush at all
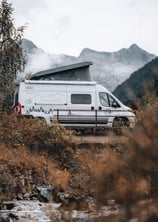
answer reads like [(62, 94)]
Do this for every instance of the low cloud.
[(39, 61)]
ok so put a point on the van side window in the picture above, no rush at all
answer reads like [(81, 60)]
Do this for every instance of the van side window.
[(107, 100), (113, 103), (81, 99), (103, 99)]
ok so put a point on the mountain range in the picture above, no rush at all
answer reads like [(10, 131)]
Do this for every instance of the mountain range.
[(113, 68), (109, 68)]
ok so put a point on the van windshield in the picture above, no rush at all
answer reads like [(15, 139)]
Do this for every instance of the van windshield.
[(107, 100)]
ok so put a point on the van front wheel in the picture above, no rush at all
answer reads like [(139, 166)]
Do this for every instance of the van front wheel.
[(120, 122)]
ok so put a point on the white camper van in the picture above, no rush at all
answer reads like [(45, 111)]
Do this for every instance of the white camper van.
[(72, 103)]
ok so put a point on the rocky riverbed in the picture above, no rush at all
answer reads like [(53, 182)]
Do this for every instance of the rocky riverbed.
[(36, 211)]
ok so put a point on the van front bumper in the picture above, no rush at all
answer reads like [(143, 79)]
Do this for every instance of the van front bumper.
[(132, 122)]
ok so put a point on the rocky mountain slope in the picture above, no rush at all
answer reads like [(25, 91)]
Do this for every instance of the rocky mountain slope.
[(109, 68), (140, 83), (112, 68)]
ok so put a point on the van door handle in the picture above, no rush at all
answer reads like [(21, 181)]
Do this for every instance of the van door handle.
[(65, 104), (92, 107)]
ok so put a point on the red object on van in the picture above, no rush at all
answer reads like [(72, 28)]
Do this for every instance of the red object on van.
[(19, 109)]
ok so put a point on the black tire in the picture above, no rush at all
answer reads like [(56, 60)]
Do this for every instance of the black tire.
[(120, 123)]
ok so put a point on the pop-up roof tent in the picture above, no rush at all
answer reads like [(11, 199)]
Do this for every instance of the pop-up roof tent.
[(74, 72)]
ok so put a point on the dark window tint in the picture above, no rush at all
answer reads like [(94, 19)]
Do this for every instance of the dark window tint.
[(81, 99)]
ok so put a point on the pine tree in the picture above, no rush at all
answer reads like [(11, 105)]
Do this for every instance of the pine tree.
[(11, 55)]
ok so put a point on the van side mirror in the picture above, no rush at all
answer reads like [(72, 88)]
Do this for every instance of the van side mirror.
[(115, 104)]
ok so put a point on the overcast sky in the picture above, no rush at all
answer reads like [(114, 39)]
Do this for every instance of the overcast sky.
[(68, 26)]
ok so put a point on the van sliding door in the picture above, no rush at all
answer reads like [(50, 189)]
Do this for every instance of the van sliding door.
[(81, 108)]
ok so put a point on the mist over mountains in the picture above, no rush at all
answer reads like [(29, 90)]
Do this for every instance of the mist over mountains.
[(113, 68), (109, 68)]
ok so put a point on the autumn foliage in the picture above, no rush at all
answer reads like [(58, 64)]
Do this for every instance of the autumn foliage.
[(125, 172)]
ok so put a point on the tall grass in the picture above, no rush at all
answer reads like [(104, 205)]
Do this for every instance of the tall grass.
[(128, 172)]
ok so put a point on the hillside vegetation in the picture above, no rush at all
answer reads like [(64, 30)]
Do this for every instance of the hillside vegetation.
[(140, 83), (34, 154)]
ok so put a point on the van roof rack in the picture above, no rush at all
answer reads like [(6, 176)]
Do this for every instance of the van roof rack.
[(61, 69)]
